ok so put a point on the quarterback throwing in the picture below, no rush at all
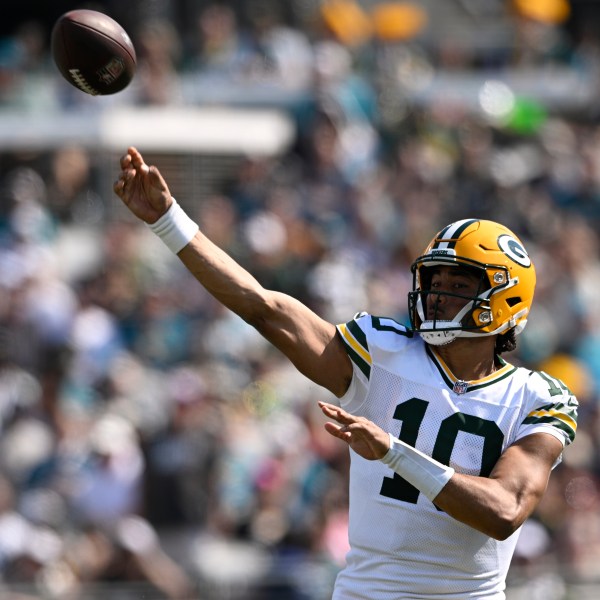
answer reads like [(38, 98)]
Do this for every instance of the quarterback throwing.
[(451, 446)]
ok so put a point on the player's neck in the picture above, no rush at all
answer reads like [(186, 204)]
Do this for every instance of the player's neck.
[(469, 359)]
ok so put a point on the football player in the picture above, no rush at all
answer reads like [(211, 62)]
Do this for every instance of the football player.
[(451, 446)]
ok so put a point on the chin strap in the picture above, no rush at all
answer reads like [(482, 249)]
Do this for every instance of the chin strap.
[(439, 337), (440, 333)]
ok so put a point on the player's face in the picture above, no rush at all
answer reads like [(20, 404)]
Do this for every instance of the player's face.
[(455, 286)]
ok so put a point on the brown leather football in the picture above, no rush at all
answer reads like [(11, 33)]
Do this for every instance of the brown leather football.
[(93, 52)]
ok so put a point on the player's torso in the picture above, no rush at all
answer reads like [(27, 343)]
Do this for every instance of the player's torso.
[(468, 426), (395, 528)]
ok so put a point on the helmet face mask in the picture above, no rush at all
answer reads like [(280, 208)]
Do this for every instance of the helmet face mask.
[(506, 282), (425, 301)]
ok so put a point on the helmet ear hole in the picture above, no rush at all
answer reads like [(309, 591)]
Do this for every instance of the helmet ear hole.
[(513, 301)]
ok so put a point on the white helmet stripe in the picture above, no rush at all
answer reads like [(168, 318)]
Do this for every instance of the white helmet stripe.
[(451, 233)]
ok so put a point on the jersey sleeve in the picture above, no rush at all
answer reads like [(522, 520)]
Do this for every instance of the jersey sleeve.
[(554, 410), (366, 338)]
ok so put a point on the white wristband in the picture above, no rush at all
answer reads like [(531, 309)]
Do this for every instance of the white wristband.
[(427, 475), (175, 228)]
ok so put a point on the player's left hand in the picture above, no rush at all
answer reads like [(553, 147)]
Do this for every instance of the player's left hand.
[(362, 435)]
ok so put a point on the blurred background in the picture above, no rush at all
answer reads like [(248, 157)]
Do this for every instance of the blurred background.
[(152, 445)]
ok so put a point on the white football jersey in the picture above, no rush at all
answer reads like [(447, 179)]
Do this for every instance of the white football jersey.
[(402, 545)]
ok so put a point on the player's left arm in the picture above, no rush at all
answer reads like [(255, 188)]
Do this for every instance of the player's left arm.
[(499, 504), (496, 505)]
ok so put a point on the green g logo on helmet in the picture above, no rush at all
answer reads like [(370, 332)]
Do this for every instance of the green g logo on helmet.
[(514, 250)]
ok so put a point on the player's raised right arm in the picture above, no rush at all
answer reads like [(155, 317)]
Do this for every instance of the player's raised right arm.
[(310, 342)]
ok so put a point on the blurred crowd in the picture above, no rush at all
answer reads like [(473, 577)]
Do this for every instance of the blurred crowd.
[(149, 435)]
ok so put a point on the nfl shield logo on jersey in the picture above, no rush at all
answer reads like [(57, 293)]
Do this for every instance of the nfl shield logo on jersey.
[(460, 386)]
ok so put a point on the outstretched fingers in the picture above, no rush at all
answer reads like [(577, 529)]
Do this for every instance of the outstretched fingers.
[(346, 420), (120, 184), (363, 436), (338, 414), (339, 432), (137, 160), (125, 161)]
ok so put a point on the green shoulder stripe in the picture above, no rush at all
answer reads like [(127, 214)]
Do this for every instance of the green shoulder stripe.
[(356, 346), (363, 365), (358, 334), (562, 416)]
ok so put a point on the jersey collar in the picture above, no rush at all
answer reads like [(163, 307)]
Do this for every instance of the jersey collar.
[(459, 386)]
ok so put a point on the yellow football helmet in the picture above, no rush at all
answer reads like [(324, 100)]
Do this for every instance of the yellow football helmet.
[(507, 282)]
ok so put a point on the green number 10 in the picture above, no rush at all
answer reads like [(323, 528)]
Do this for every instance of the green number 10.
[(412, 413)]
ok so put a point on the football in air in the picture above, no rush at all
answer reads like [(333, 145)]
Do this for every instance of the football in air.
[(93, 52)]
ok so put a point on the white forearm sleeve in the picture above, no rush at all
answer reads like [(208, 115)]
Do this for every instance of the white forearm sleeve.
[(427, 475), (175, 228)]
